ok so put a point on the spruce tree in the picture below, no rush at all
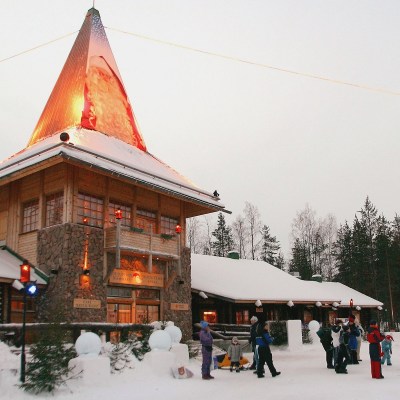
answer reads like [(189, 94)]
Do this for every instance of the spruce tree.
[(300, 261), (223, 242), (269, 246)]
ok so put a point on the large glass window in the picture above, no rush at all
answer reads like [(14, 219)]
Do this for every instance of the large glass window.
[(30, 220), (146, 219), (90, 210), (168, 225), (54, 209), (147, 313), (126, 213), (242, 317)]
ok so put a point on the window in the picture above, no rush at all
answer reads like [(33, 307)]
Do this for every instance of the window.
[(115, 291), (242, 317), (30, 216), (168, 225), (126, 213), (210, 316), (145, 219), (54, 209), (149, 294), (90, 208)]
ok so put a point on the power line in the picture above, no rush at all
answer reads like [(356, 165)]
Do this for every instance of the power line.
[(257, 64), (37, 47)]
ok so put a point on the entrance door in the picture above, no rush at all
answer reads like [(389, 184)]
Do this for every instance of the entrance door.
[(119, 313), (147, 313)]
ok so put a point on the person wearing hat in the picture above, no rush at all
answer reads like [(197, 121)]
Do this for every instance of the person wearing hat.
[(235, 354), (375, 338), (354, 334), (206, 341), (252, 341), (387, 349), (263, 340)]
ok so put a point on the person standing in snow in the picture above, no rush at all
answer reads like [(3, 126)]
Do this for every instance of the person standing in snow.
[(235, 354), (263, 340), (387, 349), (253, 334), (375, 338), (336, 331), (325, 337), (354, 334), (206, 341), (343, 354), (359, 339)]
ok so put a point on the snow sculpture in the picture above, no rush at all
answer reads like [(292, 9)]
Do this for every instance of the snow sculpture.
[(313, 326), (88, 344), (160, 340), (95, 369), (174, 332), (295, 340)]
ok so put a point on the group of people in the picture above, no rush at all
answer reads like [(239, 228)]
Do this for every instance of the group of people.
[(260, 340), (342, 344)]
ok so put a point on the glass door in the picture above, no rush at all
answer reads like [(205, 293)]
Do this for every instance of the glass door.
[(147, 313)]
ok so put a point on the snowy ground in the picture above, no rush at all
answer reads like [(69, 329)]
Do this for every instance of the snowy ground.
[(304, 375)]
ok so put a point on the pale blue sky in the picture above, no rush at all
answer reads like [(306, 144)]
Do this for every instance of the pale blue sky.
[(255, 134)]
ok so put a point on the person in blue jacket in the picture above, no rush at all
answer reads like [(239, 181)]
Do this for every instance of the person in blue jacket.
[(354, 334), (263, 340), (206, 341)]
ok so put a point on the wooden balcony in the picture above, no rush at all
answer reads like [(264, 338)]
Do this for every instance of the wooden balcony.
[(164, 246)]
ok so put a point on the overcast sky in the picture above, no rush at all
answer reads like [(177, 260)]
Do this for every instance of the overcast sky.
[(276, 139)]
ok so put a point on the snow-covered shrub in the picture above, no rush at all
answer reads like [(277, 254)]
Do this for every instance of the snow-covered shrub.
[(278, 330)]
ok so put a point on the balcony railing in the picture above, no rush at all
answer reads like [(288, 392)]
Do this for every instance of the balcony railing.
[(142, 242)]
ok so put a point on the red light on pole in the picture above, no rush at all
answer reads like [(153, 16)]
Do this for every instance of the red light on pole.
[(178, 229), (351, 303), (118, 213), (25, 272)]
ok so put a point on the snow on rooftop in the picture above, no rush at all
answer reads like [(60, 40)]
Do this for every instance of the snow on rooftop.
[(252, 280), (113, 155)]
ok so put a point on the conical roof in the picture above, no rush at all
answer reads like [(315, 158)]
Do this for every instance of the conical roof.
[(89, 92)]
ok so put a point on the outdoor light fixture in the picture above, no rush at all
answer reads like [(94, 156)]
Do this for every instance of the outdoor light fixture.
[(17, 285), (85, 220), (86, 271), (379, 308), (290, 303), (335, 304), (351, 303), (318, 304), (178, 229), (334, 308), (258, 303), (118, 213), (203, 295), (358, 308)]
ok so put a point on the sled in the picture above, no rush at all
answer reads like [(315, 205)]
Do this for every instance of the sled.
[(226, 363)]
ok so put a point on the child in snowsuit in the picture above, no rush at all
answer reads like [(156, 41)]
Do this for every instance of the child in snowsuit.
[(263, 340), (375, 338), (235, 354), (206, 341), (343, 354), (387, 350)]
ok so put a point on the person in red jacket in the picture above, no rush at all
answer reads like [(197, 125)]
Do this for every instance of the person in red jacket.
[(375, 352)]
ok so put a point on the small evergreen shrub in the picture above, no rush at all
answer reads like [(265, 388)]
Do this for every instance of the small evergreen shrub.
[(278, 330)]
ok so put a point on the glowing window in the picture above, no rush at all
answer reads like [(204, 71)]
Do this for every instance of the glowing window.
[(90, 210), (168, 225), (54, 209), (146, 219), (126, 213), (30, 219)]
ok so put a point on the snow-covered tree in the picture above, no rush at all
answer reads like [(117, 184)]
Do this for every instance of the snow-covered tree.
[(223, 242)]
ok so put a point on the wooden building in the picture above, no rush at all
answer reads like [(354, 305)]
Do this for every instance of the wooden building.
[(90, 207)]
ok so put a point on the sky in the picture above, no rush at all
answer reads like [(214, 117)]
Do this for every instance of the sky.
[(303, 372), (230, 117)]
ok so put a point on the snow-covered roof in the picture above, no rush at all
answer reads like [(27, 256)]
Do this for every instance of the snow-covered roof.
[(10, 268), (114, 156), (249, 280)]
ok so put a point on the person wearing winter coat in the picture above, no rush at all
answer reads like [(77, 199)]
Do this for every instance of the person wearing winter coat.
[(336, 331), (387, 349), (263, 340), (235, 354), (252, 340), (343, 353), (375, 338), (206, 341), (325, 337), (354, 334), (359, 339)]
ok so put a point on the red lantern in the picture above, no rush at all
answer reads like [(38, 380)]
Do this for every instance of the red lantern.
[(351, 303), (178, 229), (118, 213), (25, 272)]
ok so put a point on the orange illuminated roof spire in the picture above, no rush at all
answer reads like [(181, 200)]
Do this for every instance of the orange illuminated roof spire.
[(89, 92)]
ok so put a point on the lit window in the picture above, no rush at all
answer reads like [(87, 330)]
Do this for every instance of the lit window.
[(54, 209), (126, 213), (168, 225), (90, 210), (30, 214), (145, 219)]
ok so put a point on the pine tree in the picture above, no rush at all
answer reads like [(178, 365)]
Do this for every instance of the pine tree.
[(269, 246), (300, 261), (48, 368), (343, 252), (224, 240)]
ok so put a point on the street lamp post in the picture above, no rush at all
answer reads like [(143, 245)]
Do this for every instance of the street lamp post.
[(118, 217), (178, 230), (23, 357)]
